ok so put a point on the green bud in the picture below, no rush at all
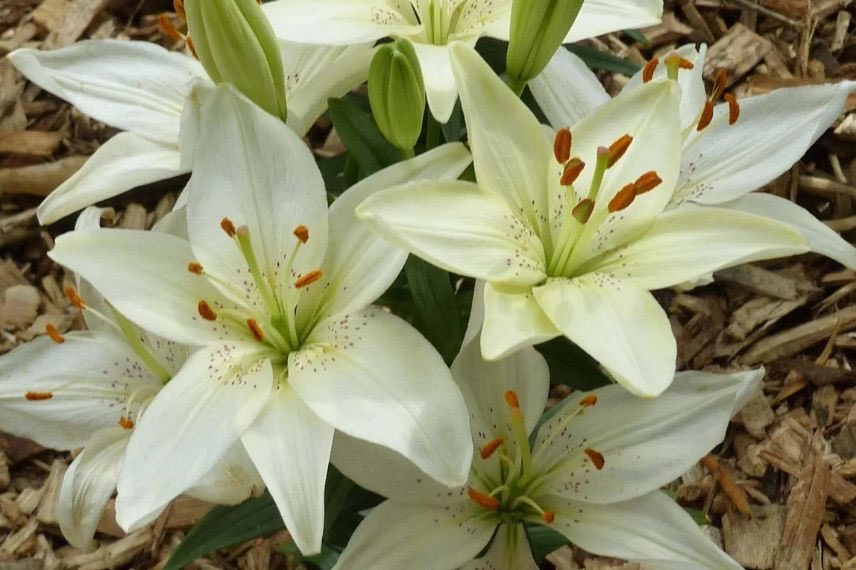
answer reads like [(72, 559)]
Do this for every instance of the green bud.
[(538, 28), (236, 44), (397, 94)]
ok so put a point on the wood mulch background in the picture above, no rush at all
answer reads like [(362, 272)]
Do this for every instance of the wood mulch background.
[(780, 491)]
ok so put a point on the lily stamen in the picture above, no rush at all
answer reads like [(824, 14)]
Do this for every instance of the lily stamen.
[(228, 227), (720, 82), (648, 70), (205, 311), (647, 182), (38, 396), (618, 149), (126, 423), (485, 501), (674, 63), (582, 211), (733, 108), (622, 199), (195, 267), (73, 297), (572, 171), (588, 401), (562, 145), (596, 458), (706, 116), (54, 334), (301, 232), (256, 330), (490, 447)]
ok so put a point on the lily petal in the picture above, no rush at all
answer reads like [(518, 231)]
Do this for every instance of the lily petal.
[(121, 263), (821, 238), (447, 536), (649, 446), (460, 227), (509, 550), (290, 445), (652, 530), (774, 130), (440, 89), (567, 90), (232, 481), (617, 323), (124, 162), (599, 17), (678, 247), (75, 388), (406, 400), (513, 319), (340, 22), (189, 427), (88, 484), (134, 86)]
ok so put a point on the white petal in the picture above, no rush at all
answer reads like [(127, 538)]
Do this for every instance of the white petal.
[(599, 17), (685, 244), (189, 427), (821, 239), (314, 74), (372, 376), (508, 551), (513, 319), (232, 481), (134, 86), (440, 88), (144, 275), (251, 168), (88, 484), (124, 162), (652, 530), (617, 323), (88, 378), (567, 90), (774, 130), (290, 445), (395, 536), (512, 156), (460, 227), (340, 22), (654, 442)]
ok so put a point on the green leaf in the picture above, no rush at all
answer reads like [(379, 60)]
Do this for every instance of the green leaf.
[(570, 365), (544, 540), (637, 37), (223, 527), (437, 315), (361, 137), (324, 560), (596, 59)]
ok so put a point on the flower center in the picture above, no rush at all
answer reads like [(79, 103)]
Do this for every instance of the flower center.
[(438, 18)]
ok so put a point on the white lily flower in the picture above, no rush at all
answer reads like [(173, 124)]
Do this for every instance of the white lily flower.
[(740, 147), (278, 303), (88, 389), (571, 238), (433, 25), (142, 88), (587, 476)]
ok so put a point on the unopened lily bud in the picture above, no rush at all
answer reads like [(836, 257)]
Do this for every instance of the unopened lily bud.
[(236, 44), (397, 94), (538, 28)]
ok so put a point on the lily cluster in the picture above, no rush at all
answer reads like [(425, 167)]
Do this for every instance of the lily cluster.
[(248, 341)]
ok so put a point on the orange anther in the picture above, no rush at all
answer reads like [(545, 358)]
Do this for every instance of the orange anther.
[(548, 517), (596, 458), (562, 145), (195, 267), (572, 171), (622, 199), (582, 211), (647, 182), (588, 401), (512, 400), (648, 70), (733, 108), (54, 334), (308, 279), (206, 312), (126, 423), (168, 29), (38, 396), (706, 116), (301, 232), (720, 82), (490, 447), (178, 6), (617, 149), (74, 298), (256, 330), (483, 500), (228, 227)]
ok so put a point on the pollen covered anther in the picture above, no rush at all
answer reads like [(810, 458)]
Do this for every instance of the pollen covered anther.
[(548, 517), (596, 458), (38, 396), (562, 145), (648, 70), (622, 199), (54, 334), (572, 171), (483, 500), (706, 116), (512, 400), (618, 149), (582, 211), (720, 82), (206, 312), (228, 227), (308, 279), (588, 401), (178, 6), (73, 297), (126, 423), (195, 267), (256, 330), (301, 232), (168, 29), (490, 447), (647, 182), (733, 108)]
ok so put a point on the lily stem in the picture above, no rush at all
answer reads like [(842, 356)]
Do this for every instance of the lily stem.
[(515, 84), (432, 136)]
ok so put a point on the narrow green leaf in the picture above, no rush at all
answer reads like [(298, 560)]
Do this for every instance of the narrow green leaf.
[(596, 59), (361, 137), (637, 37), (544, 540), (437, 315), (223, 527), (570, 365)]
